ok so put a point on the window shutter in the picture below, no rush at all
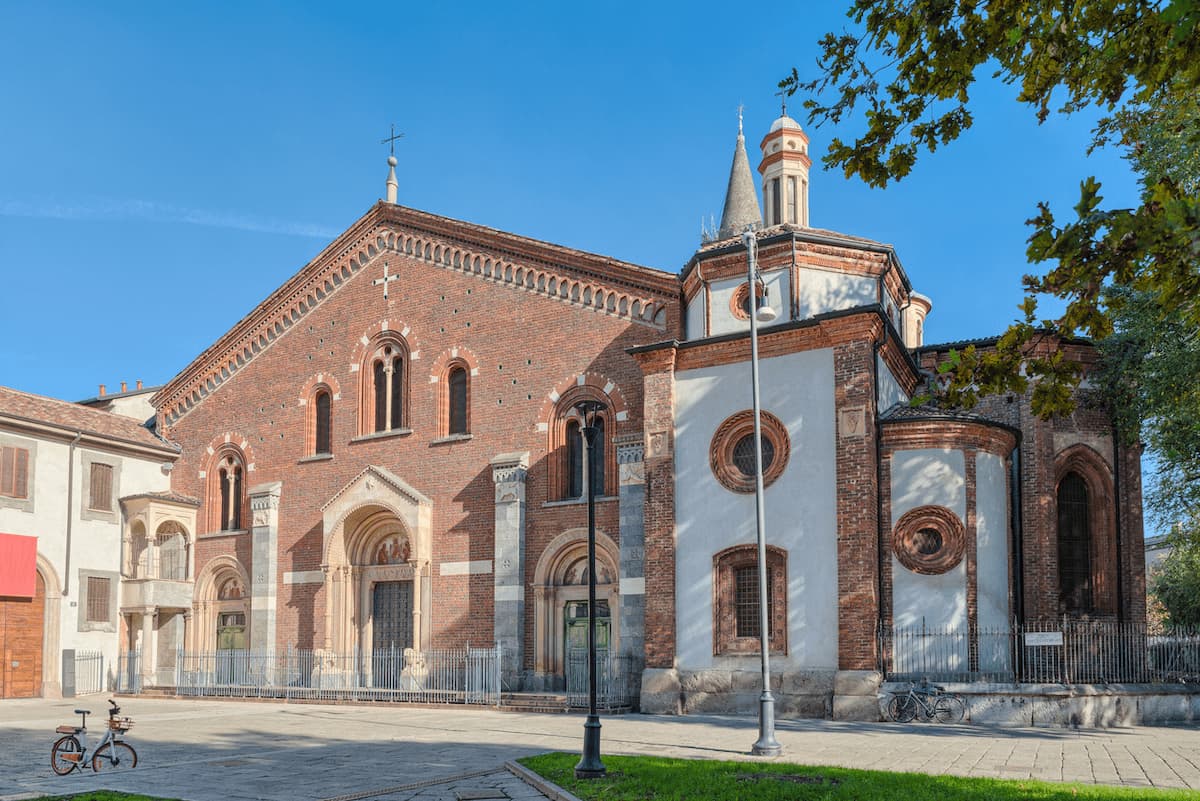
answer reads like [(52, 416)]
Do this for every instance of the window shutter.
[(97, 599), (14, 472), (100, 497)]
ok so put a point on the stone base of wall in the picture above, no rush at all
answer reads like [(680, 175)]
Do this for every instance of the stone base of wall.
[(856, 695), (1079, 705), (798, 694)]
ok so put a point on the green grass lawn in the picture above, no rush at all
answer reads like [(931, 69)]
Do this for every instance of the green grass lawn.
[(642, 778)]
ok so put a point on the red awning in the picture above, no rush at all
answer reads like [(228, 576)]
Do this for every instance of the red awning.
[(18, 565)]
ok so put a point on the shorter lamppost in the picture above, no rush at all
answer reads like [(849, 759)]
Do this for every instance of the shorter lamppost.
[(590, 766), (760, 310)]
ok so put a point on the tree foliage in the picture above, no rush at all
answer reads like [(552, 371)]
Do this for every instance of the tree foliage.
[(1176, 581), (907, 72)]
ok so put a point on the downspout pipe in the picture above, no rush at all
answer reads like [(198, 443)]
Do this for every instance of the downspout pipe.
[(70, 506), (1119, 528)]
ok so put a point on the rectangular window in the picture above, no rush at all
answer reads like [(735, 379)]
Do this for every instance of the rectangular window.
[(14, 472), (791, 199), (776, 211), (97, 599), (100, 494)]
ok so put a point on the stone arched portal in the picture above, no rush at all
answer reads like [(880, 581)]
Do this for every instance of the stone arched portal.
[(560, 583), (378, 547)]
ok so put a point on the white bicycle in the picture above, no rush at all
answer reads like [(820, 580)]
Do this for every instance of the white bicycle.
[(70, 752)]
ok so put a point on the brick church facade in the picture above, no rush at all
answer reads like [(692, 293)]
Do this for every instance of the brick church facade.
[(385, 452)]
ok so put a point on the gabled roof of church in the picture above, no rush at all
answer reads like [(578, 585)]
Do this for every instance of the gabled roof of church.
[(26, 410), (584, 280)]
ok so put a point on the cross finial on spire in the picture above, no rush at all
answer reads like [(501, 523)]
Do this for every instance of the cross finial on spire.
[(741, 107), (391, 140), (782, 95)]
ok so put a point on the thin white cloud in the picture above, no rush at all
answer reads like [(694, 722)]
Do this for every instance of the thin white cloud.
[(112, 210)]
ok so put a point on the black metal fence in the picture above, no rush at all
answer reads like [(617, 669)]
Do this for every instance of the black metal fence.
[(1055, 652)]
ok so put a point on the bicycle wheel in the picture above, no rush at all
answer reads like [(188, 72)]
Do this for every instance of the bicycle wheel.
[(949, 709), (114, 756), (66, 755), (903, 708)]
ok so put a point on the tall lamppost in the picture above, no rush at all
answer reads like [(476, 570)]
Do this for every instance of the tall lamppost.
[(590, 766), (766, 744)]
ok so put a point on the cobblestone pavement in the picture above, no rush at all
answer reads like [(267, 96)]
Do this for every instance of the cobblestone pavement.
[(199, 750)]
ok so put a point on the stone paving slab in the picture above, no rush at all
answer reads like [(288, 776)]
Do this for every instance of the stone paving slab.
[(212, 749)]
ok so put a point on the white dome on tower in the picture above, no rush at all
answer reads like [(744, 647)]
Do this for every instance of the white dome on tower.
[(785, 122)]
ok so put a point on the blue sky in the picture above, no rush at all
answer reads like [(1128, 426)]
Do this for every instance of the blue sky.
[(163, 167)]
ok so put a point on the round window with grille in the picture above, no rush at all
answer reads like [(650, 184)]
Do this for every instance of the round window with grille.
[(929, 539), (731, 453)]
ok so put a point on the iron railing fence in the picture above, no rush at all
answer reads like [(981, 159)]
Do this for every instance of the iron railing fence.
[(1043, 652), (614, 679), (467, 675), (128, 678), (89, 672), (169, 564)]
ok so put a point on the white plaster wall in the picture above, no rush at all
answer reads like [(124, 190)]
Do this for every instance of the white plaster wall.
[(95, 544), (825, 291), (136, 406), (801, 512), (919, 478), (992, 570), (694, 321), (890, 391), (722, 320)]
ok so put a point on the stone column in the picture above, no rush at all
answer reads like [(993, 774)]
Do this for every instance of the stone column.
[(149, 666), (632, 620), (509, 471), (264, 560)]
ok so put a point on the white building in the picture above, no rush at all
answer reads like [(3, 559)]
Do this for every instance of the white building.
[(79, 490)]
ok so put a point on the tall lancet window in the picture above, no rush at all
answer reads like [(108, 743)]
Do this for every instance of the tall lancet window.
[(774, 203), (792, 205), (1074, 545), (383, 405), (230, 478), (457, 424)]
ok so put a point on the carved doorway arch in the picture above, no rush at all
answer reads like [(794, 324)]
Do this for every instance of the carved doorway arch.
[(561, 579)]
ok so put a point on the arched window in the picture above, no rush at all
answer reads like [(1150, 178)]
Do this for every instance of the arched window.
[(575, 454), (737, 624), (1074, 545), (456, 387), (385, 386), (323, 423), (227, 490)]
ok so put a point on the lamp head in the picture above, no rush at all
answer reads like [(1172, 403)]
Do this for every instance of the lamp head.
[(765, 313)]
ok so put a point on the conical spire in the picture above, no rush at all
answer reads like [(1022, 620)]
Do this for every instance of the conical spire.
[(741, 199)]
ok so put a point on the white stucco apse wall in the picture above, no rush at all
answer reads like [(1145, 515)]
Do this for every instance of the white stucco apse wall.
[(920, 478), (721, 318), (890, 391), (801, 511), (992, 555), (825, 291)]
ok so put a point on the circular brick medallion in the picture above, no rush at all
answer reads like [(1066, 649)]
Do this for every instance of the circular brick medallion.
[(731, 453), (929, 540)]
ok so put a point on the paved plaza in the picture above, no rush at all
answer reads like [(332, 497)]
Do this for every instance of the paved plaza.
[(198, 750)]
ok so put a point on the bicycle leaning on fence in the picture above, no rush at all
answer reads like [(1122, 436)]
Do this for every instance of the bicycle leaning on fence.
[(70, 752), (927, 702)]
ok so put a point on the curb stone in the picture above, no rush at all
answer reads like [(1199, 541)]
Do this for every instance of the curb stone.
[(544, 786)]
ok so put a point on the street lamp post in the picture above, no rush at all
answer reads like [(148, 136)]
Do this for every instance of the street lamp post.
[(590, 766), (766, 745)]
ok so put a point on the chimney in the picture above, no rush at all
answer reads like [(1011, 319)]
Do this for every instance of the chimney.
[(124, 386), (102, 390), (139, 383)]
